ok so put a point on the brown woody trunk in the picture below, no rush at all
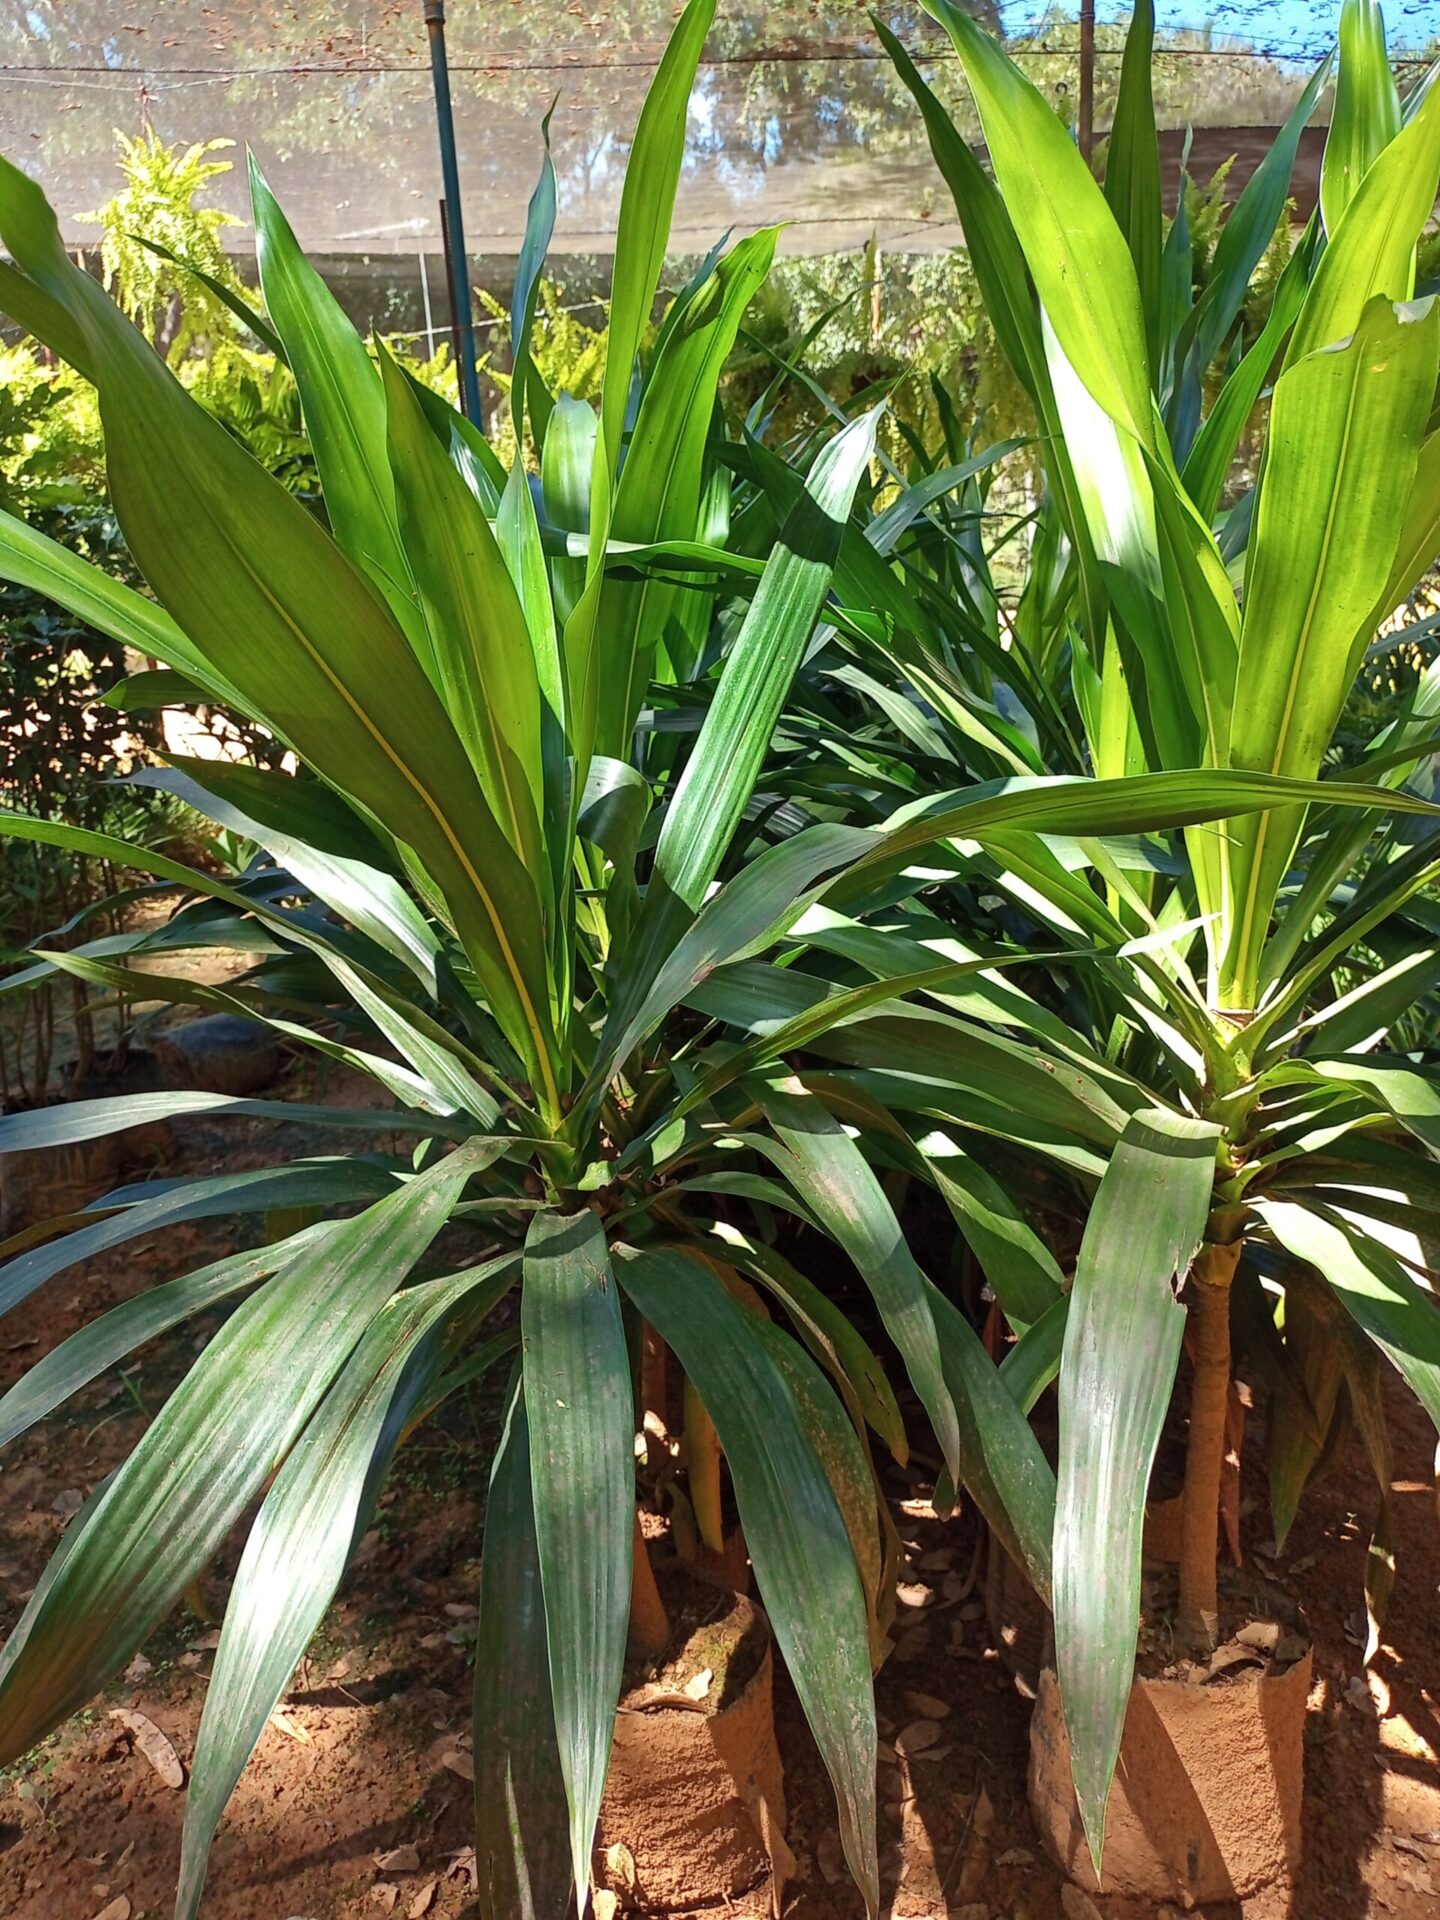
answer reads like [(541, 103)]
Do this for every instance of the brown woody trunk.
[(649, 1622), (702, 1461), (1209, 1292)]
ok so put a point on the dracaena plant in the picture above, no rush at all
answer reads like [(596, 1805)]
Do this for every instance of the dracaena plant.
[(458, 864), (555, 953), (1229, 1106)]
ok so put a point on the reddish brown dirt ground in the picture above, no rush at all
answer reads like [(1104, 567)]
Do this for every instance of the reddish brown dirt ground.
[(372, 1753)]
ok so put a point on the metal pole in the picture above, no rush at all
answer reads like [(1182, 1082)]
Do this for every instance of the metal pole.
[(450, 174), (1087, 77), (455, 347), (425, 298)]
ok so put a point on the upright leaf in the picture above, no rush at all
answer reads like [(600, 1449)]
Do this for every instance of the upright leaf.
[(1372, 250), (715, 787), (1132, 169), (343, 406), (1366, 115), (1345, 431), (483, 662), (647, 202), (658, 496), (1076, 253)]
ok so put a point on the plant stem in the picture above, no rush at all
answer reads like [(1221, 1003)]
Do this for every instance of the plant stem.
[(702, 1460), (1211, 1273), (649, 1622)]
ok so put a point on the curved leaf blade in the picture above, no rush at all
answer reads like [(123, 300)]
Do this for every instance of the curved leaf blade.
[(1122, 1343), (582, 1426), (795, 1531)]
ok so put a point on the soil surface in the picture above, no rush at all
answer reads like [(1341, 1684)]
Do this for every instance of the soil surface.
[(357, 1803)]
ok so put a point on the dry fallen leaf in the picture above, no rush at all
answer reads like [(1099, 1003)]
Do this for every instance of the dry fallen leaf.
[(913, 1644), (460, 1763), (423, 1900), (386, 1894), (829, 1857), (68, 1502), (919, 1733), (153, 1744), (927, 1705), (1076, 1905), (462, 1866), (137, 1669), (399, 1860), (291, 1728), (117, 1909)]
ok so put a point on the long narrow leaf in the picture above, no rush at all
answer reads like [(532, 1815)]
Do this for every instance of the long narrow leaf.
[(794, 1529), (582, 1430), (1122, 1343)]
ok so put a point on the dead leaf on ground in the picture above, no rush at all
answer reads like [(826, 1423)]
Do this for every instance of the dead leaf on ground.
[(423, 1901), (399, 1860), (290, 1727), (153, 1744), (460, 1763), (919, 1734), (137, 1669), (386, 1894), (117, 1910), (68, 1502), (462, 1866), (927, 1705), (1076, 1905)]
